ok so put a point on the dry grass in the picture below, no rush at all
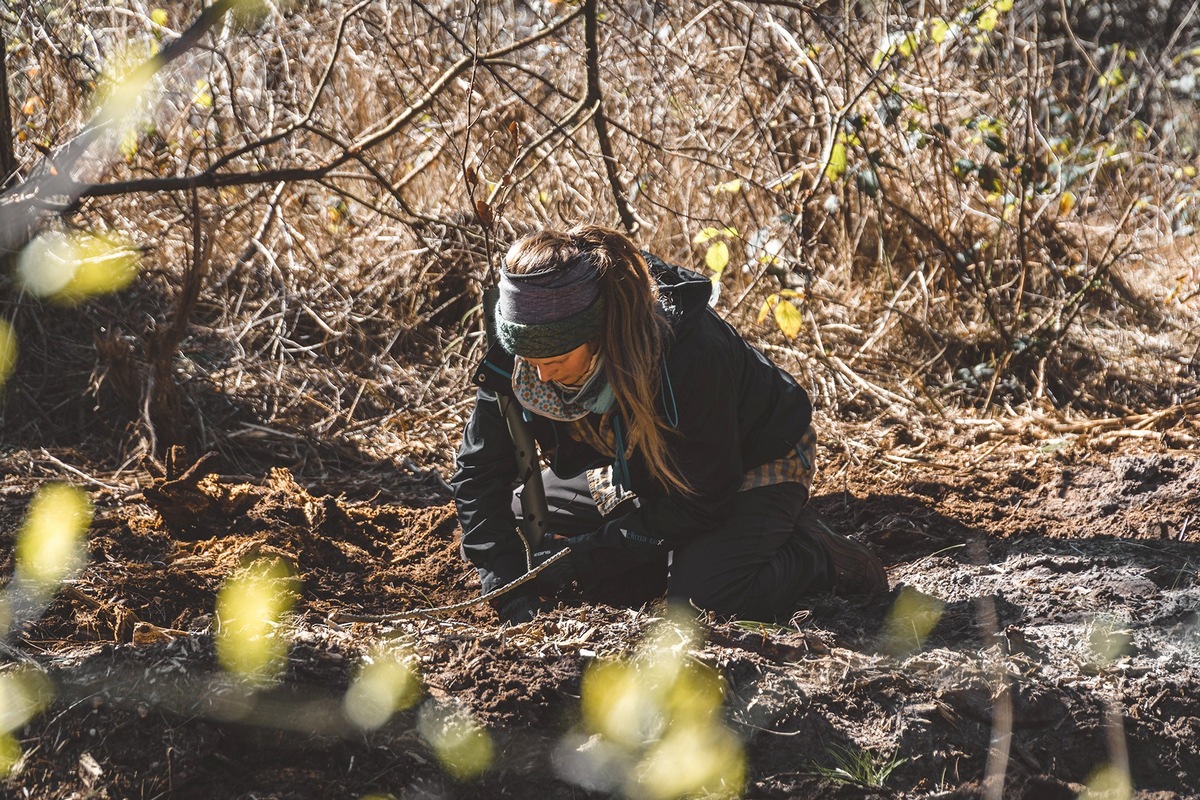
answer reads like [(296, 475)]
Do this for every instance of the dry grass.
[(1009, 229)]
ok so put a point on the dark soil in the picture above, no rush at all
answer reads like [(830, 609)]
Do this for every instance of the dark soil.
[(1058, 589)]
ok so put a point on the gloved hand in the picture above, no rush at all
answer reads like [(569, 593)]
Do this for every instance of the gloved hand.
[(515, 610), (558, 574)]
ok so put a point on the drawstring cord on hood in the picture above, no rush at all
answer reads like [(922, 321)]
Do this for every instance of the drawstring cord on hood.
[(621, 476)]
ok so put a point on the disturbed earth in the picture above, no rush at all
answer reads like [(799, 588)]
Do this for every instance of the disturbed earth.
[(1041, 640)]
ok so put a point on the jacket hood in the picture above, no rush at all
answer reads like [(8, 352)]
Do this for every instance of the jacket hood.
[(681, 292)]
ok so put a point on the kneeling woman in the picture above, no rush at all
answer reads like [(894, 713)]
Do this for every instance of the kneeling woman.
[(680, 456)]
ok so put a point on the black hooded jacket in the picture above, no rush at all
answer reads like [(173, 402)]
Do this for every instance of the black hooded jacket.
[(736, 410)]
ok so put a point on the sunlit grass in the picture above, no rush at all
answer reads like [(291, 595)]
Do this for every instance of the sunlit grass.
[(913, 617), (70, 267), (8, 351), (251, 640), (50, 544), (860, 767), (386, 682), (462, 746)]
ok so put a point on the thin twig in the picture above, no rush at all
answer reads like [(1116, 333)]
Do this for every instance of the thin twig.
[(79, 473), (338, 616)]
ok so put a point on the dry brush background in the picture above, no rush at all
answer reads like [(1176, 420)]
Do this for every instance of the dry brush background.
[(977, 207)]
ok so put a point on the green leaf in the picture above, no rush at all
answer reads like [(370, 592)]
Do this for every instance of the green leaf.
[(717, 257), (789, 318)]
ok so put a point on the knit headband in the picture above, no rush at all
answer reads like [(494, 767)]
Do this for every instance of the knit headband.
[(545, 314)]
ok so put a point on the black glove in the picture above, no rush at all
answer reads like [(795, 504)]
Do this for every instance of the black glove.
[(558, 574), (515, 610)]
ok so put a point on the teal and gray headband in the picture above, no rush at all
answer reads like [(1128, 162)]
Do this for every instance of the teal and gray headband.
[(545, 314)]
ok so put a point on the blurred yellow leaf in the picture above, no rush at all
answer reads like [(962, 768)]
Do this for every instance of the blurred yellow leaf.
[(129, 143), (836, 167), (1109, 782), (1114, 77), (24, 692), (717, 257), (250, 607), (1066, 202), (201, 96), (789, 318), (50, 543), (881, 55), (988, 19), (385, 684), (31, 105), (128, 72), (696, 693), (1004, 5), (8, 351), (732, 187), (1109, 640), (938, 30), (464, 748), (159, 16), (72, 267), (249, 13), (619, 704), (767, 305), (709, 233), (10, 753), (692, 760), (913, 616)]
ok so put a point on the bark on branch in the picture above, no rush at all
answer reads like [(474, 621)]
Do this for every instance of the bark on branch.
[(595, 99)]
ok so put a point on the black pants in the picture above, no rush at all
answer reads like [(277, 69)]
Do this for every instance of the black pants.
[(757, 564)]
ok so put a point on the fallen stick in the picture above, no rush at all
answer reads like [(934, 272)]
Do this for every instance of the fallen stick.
[(339, 617)]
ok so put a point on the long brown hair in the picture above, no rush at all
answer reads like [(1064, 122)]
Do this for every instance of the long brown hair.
[(633, 341)]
